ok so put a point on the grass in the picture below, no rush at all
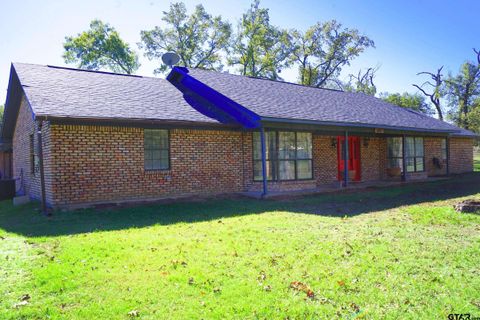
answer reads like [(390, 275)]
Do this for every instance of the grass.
[(476, 161), (381, 254)]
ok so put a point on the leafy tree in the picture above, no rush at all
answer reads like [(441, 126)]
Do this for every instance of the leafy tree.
[(100, 47), (199, 39), (259, 48), (463, 90), (324, 49), (473, 117), (407, 100), (2, 107)]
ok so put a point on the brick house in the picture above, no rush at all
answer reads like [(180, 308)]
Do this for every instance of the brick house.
[(82, 137)]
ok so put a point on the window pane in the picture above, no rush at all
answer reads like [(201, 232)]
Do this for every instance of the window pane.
[(286, 145), (410, 164), (257, 146), (271, 170), (148, 164), (409, 147), (394, 146), (304, 145), (286, 170), (419, 163), (419, 147), (164, 163), (148, 154), (444, 149), (271, 144), (257, 170), (304, 169), (156, 154), (164, 142), (395, 163), (164, 155)]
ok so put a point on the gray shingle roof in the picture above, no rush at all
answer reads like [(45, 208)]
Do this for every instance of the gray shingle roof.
[(63, 92), (275, 99)]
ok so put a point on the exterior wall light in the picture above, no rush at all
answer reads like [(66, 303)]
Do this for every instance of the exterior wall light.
[(334, 142), (366, 141)]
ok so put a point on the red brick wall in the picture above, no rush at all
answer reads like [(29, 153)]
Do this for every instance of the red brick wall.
[(461, 155), (325, 165), (98, 164), (373, 158), (90, 164), (25, 126), (433, 149)]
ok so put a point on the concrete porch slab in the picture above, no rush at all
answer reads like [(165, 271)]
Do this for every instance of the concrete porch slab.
[(336, 187)]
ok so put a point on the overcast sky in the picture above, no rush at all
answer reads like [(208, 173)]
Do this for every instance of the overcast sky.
[(410, 35)]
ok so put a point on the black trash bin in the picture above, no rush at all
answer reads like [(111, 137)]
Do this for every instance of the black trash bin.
[(7, 189)]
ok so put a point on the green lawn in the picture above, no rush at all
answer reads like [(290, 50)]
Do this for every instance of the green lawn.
[(391, 253)]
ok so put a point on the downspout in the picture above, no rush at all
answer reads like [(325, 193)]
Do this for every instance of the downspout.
[(264, 161), (448, 155), (345, 161), (404, 162), (42, 171)]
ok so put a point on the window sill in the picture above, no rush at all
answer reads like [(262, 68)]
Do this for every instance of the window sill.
[(157, 171), (286, 181)]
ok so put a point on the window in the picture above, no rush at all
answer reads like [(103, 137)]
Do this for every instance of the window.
[(288, 155), (156, 146), (394, 153), (444, 149), (34, 159), (414, 156)]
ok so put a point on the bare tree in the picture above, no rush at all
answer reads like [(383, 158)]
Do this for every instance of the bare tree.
[(360, 82), (364, 81), (436, 94)]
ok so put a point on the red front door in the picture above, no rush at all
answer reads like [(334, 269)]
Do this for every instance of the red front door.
[(353, 157)]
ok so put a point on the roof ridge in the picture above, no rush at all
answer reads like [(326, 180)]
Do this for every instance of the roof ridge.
[(94, 71), (82, 70), (267, 79)]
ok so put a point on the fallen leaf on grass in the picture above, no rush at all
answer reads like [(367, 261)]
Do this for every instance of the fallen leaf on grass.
[(176, 263), (476, 303), (355, 307), (25, 297), (20, 304), (262, 276), (134, 313), (310, 294), (299, 286), (341, 283)]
